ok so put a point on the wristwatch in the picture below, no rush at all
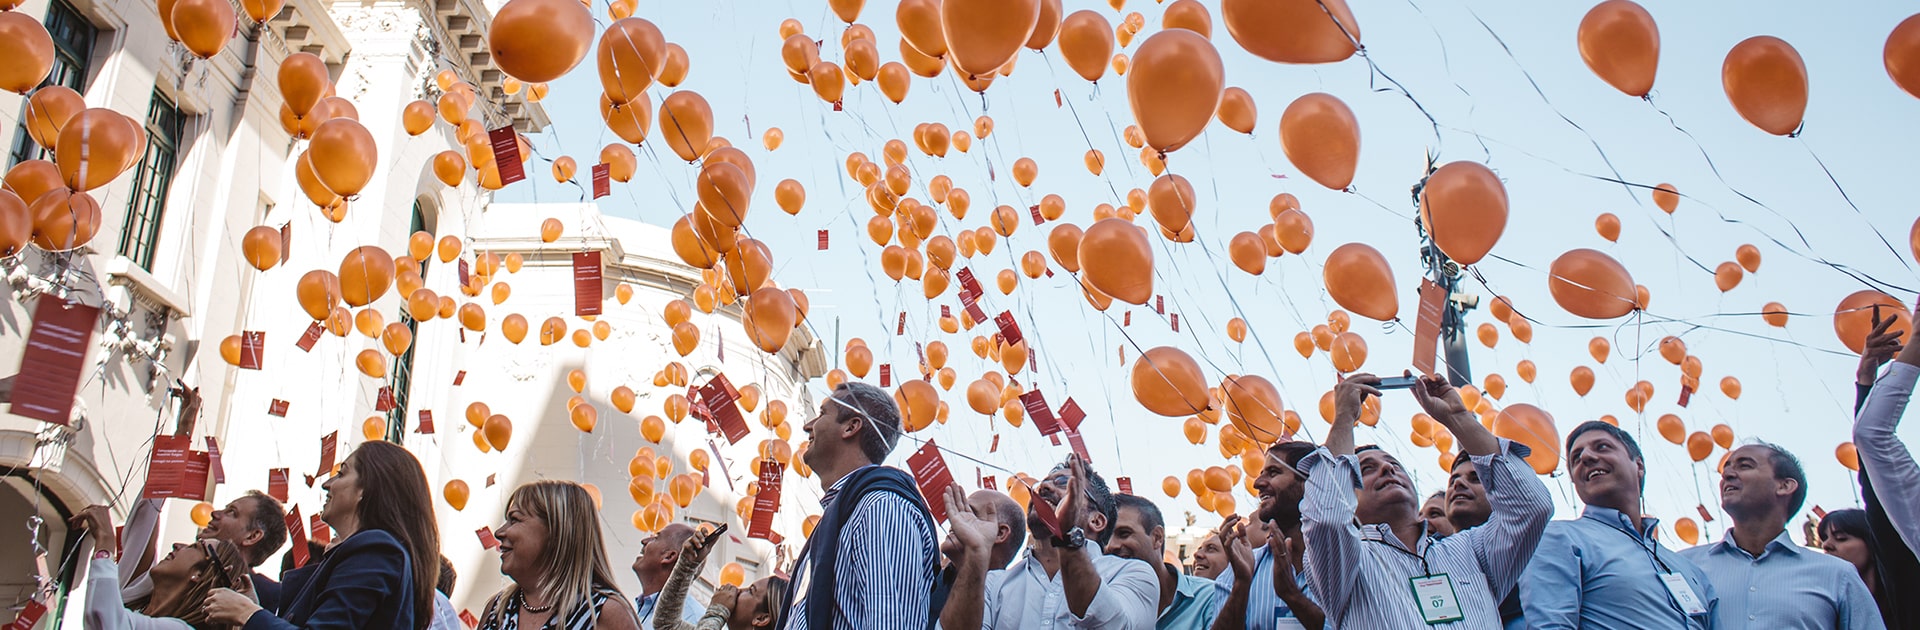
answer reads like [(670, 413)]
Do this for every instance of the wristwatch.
[(1073, 539)]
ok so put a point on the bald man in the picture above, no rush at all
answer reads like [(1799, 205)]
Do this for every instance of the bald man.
[(658, 553), (1011, 521)]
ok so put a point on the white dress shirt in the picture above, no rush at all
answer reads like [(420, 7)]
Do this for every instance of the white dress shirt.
[(1023, 596), (1888, 462)]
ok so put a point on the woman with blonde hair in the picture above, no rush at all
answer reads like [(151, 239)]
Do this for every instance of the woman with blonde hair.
[(180, 581), (552, 549)]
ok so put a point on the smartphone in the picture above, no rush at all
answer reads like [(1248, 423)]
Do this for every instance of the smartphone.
[(714, 535), (1397, 382)]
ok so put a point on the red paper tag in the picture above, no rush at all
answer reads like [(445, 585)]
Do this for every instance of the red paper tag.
[(459, 377), (490, 479), (1176, 322), (487, 541), (1426, 329), (971, 302), (213, 461), (945, 312), (1126, 319), (900, 328), (277, 408), (312, 336), (286, 241), (166, 465), (506, 154), (384, 401), (719, 395), (1071, 415), (1079, 445), (586, 283), (319, 530), (1057, 102), (1009, 330), (1686, 394), (327, 445), (56, 353), (426, 421), (297, 534), (1045, 511), (931, 473), (1819, 512), (1037, 409), (29, 616), (1705, 516), (1037, 219), (601, 180), (466, 273), (277, 484), (823, 240), (253, 349), (466, 617), (1125, 483), (767, 502), (996, 444), (886, 375), (969, 285), (1049, 272), (987, 483), (1160, 304)]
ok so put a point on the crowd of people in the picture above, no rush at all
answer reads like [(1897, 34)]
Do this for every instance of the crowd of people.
[(1339, 539)]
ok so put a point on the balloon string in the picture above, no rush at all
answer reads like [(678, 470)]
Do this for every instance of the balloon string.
[(1849, 199), (1375, 69)]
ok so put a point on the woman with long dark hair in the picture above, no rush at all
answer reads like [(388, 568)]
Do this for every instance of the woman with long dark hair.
[(180, 581), (381, 572), (552, 549), (1845, 534)]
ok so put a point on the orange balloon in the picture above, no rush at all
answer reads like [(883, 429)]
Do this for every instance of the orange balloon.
[(1599, 348), (632, 53), (1086, 40), (919, 403), (1293, 229), (770, 317), (1581, 379), (919, 22), (1063, 242), (1666, 197), (318, 291), (1749, 258), (1126, 269), (450, 167), (1902, 55), (1608, 225), (365, 274), (416, 117), (1853, 318), (982, 35), (16, 225), (628, 119), (1175, 87), (619, 160), (343, 155), (1168, 382), (64, 220), (1620, 42), (1848, 455), (1591, 284), (1766, 81), (1670, 426), (1535, 428), (1727, 275), (686, 123), (1358, 278), (1699, 445), (1320, 136), (32, 178), (1464, 208), (1293, 31), (1349, 352), (204, 26), (28, 49), (1237, 110), (96, 146), (48, 111), (1171, 200)]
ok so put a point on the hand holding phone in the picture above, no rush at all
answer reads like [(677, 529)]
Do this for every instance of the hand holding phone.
[(1397, 382)]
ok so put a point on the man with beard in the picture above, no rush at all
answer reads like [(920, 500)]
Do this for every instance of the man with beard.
[(1262, 588), (1064, 578), (1140, 533), (1604, 570), (1765, 579), (1369, 557)]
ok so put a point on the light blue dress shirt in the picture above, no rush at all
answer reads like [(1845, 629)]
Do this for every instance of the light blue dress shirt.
[(1787, 588), (1192, 607), (646, 604), (1264, 606), (1596, 572)]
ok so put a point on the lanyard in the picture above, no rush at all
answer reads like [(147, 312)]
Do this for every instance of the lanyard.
[(1426, 570), (1651, 553)]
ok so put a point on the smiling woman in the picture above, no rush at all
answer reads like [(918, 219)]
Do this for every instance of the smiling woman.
[(552, 549)]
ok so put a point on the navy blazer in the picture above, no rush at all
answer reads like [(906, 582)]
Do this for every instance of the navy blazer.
[(365, 581)]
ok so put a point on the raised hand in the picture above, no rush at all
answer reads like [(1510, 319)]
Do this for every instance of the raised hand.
[(1233, 536), (969, 533), (1881, 345), (695, 550), (98, 524), (1350, 394), (1439, 399)]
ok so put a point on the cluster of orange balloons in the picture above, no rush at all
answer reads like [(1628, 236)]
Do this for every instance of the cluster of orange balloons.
[(48, 204)]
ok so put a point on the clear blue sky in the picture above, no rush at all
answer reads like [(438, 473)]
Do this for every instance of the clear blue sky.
[(1797, 380)]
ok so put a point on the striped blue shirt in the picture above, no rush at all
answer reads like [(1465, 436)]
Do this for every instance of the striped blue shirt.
[(1598, 573), (1787, 588), (1362, 573), (1264, 607), (883, 581)]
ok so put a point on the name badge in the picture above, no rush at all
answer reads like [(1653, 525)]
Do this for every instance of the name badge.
[(1683, 594), (1434, 594)]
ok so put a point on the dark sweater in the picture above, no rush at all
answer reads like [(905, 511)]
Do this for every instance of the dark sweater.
[(364, 582)]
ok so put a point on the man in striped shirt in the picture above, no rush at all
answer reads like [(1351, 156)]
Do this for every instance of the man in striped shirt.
[(1370, 560), (873, 560), (1262, 590)]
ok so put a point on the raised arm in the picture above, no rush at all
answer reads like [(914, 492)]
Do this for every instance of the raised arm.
[(1333, 540), (1521, 504), (969, 543), (1234, 585), (1887, 461), (1881, 345), (672, 602)]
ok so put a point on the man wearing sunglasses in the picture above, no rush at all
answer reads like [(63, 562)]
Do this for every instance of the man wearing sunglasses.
[(1063, 579)]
